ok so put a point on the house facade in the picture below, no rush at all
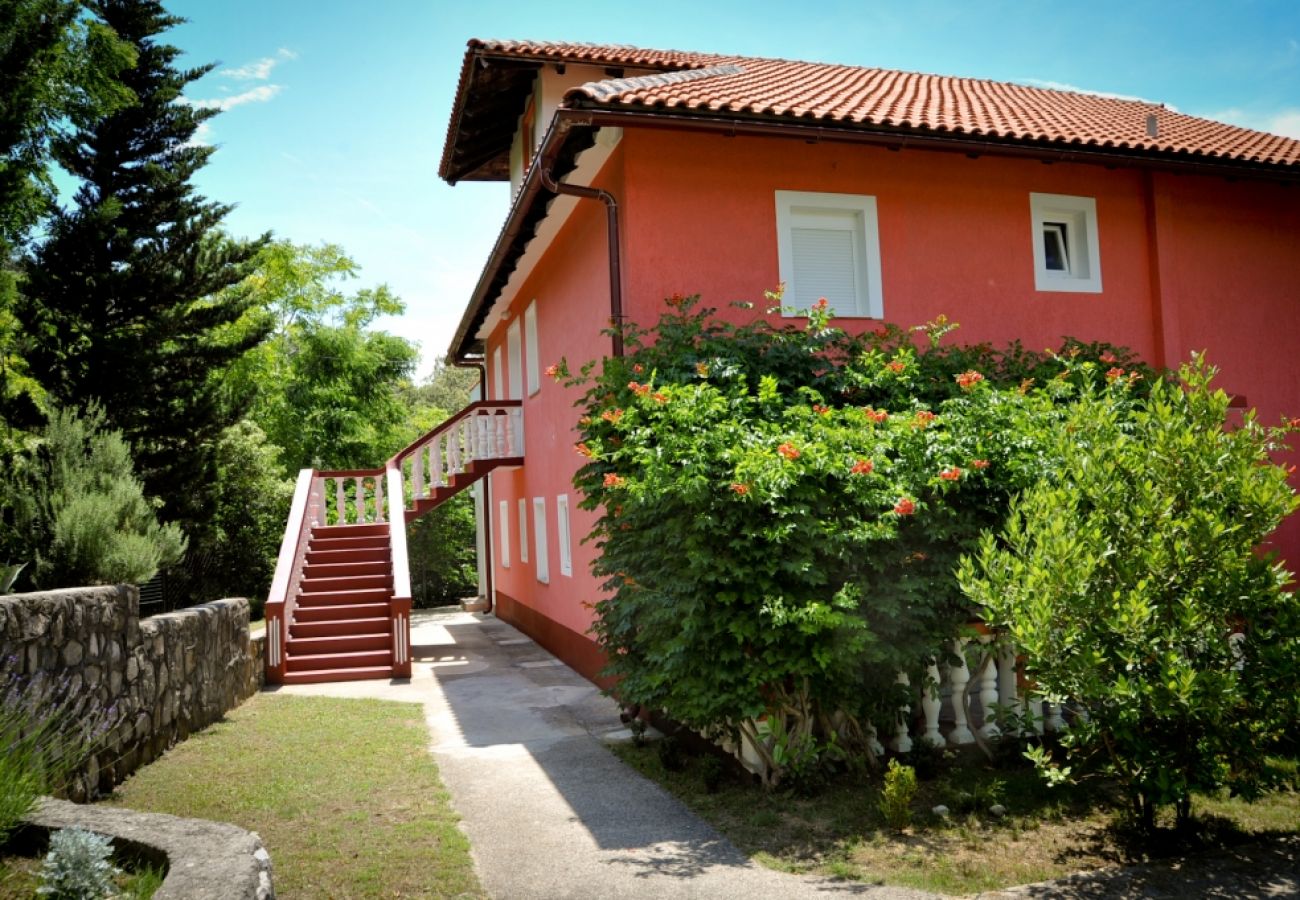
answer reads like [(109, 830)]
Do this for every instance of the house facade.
[(1018, 212)]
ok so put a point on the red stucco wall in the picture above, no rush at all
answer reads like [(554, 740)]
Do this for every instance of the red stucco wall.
[(1187, 263)]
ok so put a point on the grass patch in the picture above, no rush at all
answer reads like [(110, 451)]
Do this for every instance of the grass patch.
[(839, 832), (343, 793)]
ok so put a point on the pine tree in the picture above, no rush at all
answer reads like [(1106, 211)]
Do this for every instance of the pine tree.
[(125, 299)]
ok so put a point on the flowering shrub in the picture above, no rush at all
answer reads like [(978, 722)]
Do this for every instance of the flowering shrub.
[(1123, 575), (781, 508)]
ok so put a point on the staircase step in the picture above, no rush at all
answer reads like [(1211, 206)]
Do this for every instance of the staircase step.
[(349, 543), (339, 531), (316, 570), (311, 585), (342, 643), (331, 627), (339, 660), (322, 676), (337, 612), (341, 557), (331, 598)]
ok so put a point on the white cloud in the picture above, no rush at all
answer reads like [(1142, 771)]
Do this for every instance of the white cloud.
[(259, 70), (1285, 122), (260, 94), (1061, 86)]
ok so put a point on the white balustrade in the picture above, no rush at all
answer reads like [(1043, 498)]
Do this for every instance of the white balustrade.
[(959, 677), (931, 705), (902, 742)]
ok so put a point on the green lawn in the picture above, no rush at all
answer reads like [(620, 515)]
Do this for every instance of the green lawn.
[(343, 793), (1046, 833)]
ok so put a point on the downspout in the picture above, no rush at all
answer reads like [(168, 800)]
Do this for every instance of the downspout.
[(486, 484), (615, 266)]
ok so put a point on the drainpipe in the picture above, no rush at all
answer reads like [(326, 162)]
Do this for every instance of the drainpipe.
[(485, 483), (611, 217)]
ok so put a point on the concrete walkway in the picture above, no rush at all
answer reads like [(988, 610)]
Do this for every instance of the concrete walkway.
[(549, 810)]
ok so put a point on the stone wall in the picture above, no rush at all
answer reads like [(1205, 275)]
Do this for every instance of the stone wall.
[(145, 683)]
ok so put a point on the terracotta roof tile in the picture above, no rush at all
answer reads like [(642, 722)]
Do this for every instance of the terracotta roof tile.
[(830, 93)]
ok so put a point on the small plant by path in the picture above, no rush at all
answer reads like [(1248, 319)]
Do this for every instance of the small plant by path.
[(343, 793)]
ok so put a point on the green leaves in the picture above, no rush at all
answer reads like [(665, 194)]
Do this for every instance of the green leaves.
[(1122, 573)]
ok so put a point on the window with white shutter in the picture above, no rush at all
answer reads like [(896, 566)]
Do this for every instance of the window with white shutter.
[(828, 245)]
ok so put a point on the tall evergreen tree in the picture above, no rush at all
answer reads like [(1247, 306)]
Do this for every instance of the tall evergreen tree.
[(125, 299)]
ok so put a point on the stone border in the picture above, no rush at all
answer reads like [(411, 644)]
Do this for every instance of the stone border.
[(206, 860)]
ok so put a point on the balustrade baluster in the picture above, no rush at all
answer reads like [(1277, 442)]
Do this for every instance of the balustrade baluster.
[(1036, 713), (1008, 688), (379, 498), (876, 747), (902, 742), (455, 462), (417, 474), (517, 432), (988, 676), (501, 424), (360, 500), (1053, 721), (930, 705), (340, 503), (959, 677)]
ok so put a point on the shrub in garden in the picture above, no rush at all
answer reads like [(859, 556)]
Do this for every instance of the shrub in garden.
[(782, 508), (80, 511), (1123, 574), (897, 795), (77, 867)]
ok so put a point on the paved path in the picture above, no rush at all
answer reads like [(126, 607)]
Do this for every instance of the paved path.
[(549, 810), (552, 813)]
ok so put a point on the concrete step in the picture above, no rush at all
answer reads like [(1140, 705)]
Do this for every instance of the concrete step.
[(336, 612), (331, 627), (324, 676)]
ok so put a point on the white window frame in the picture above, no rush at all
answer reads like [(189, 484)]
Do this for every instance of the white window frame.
[(514, 360), (859, 211), (530, 349), (503, 534), (539, 536), (562, 532), (498, 376), (523, 530), (1082, 272)]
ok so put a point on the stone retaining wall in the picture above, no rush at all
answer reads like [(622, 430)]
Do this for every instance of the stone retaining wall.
[(150, 682)]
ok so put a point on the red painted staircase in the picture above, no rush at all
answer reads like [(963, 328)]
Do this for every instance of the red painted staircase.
[(340, 603)]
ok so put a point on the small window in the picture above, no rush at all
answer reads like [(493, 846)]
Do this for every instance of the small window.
[(514, 354), (828, 245), (498, 376), (503, 535), (562, 528), (523, 530), (530, 349), (1066, 254), (539, 535)]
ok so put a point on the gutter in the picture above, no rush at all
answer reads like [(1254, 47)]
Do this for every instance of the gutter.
[(480, 365)]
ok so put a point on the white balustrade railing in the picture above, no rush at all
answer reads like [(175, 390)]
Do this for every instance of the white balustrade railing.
[(483, 432), (353, 497)]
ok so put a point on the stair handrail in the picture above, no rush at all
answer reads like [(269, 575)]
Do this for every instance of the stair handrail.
[(280, 600), (448, 423)]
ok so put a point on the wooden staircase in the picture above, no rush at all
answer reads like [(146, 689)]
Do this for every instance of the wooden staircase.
[(340, 603), (341, 630)]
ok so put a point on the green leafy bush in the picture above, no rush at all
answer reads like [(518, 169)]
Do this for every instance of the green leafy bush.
[(897, 795), (1123, 574), (77, 866), (80, 511), (781, 511)]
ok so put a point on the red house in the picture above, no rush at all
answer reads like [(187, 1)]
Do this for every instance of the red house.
[(1019, 212)]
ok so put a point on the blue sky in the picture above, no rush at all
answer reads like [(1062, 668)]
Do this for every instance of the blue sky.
[(336, 110)]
